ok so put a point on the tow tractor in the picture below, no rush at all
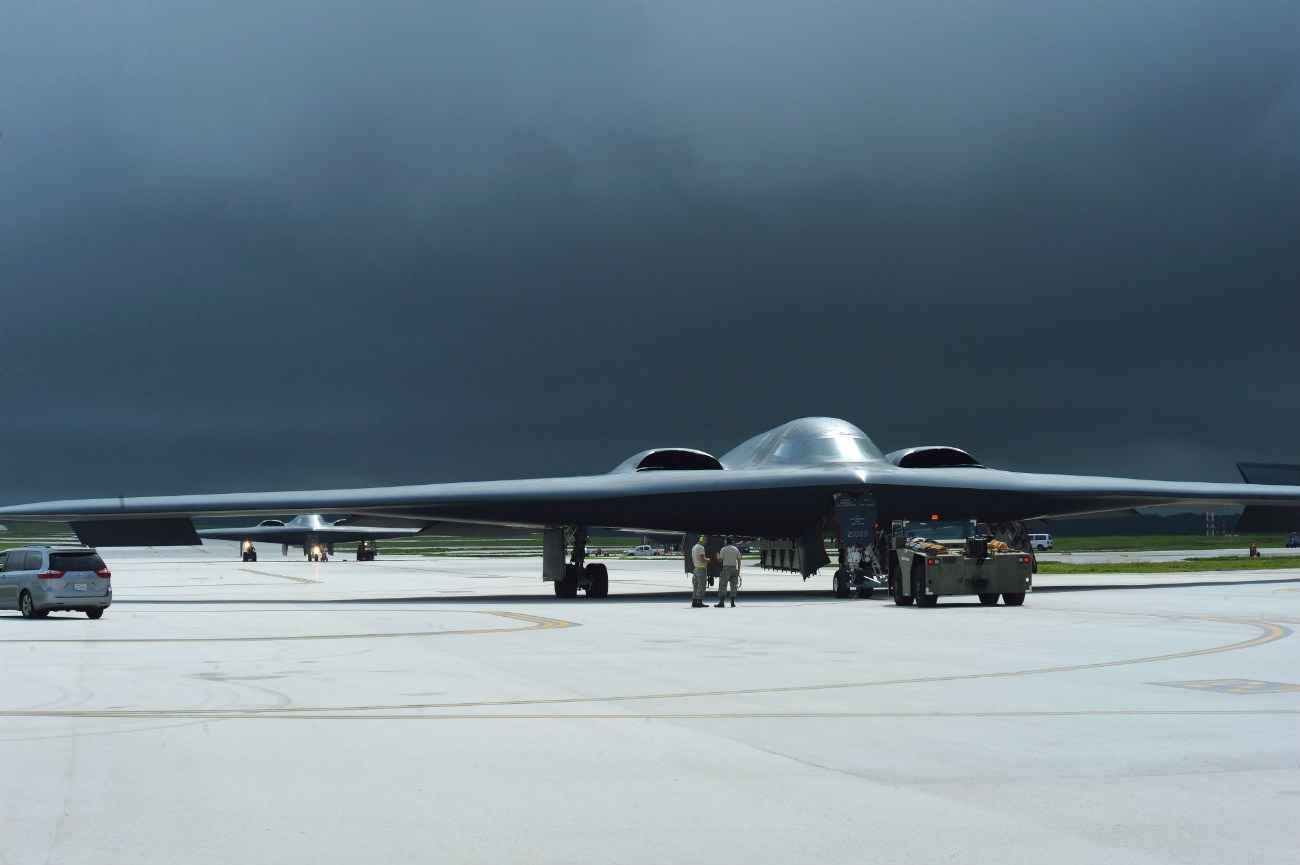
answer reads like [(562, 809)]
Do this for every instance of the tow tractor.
[(932, 558), (366, 551), (247, 552)]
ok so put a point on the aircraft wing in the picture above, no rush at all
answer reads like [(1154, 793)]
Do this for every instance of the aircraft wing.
[(768, 502), (1001, 496), (673, 501)]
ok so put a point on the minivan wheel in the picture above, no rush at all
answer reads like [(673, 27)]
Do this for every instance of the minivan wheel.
[(95, 613), (27, 606)]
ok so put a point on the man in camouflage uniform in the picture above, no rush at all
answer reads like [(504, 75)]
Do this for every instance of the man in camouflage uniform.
[(700, 577), (730, 558)]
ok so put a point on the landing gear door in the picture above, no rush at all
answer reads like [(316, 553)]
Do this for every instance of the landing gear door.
[(856, 518), (553, 554)]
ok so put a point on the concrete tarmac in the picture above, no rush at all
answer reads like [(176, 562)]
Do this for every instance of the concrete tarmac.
[(435, 709)]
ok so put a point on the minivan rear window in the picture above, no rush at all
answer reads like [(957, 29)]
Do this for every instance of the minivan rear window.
[(87, 561)]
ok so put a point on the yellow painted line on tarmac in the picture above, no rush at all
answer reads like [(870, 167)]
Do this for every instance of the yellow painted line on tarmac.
[(1271, 632), (335, 715), (281, 576), (535, 623)]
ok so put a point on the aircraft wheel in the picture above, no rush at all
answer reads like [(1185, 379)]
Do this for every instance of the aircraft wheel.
[(864, 591), (569, 586), (558, 585), (1013, 599), (597, 580), (840, 584), (988, 599), (95, 613)]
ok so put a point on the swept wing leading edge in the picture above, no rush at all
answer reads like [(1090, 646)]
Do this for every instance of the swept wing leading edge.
[(775, 485)]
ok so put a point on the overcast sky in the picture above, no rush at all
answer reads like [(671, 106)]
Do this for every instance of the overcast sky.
[(297, 245)]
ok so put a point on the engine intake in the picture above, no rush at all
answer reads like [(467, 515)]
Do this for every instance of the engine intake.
[(670, 459), (933, 457)]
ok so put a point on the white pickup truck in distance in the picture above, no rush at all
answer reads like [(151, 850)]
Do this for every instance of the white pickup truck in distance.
[(645, 550)]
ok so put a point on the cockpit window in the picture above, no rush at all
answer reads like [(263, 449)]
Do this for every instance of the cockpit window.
[(828, 449), (808, 441)]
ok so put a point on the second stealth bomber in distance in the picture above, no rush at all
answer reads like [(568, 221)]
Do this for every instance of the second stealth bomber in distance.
[(311, 532), (799, 487)]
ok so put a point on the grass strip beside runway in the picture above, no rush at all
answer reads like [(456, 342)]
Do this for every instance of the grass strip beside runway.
[(1209, 563)]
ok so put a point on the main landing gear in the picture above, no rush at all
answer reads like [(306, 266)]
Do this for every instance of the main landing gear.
[(593, 578)]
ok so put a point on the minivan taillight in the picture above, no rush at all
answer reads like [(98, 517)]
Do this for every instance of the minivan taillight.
[(103, 572), (50, 575)]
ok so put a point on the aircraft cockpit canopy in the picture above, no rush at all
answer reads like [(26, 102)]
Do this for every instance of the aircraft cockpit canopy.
[(805, 442)]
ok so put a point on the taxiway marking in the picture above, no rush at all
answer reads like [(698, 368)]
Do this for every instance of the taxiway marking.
[(1271, 633), (537, 623), (289, 714), (281, 576)]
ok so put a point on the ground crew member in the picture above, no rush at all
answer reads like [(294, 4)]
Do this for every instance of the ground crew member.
[(700, 579), (730, 558)]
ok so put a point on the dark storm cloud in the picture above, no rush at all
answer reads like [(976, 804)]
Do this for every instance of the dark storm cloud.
[(338, 244)]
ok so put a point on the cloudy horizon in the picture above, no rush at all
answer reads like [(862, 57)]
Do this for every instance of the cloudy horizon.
[(320, 245)]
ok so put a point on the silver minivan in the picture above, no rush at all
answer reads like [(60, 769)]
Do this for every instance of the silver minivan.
[(41, 579)]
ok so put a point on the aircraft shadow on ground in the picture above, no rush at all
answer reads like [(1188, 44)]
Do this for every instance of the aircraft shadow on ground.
[(683, 597)]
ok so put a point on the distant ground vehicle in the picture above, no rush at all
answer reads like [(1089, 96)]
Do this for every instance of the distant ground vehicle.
[(1040, 542), (38, 579), (645, 550), (929, 559), (1293, 539), (247, 552), (366, 551)]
